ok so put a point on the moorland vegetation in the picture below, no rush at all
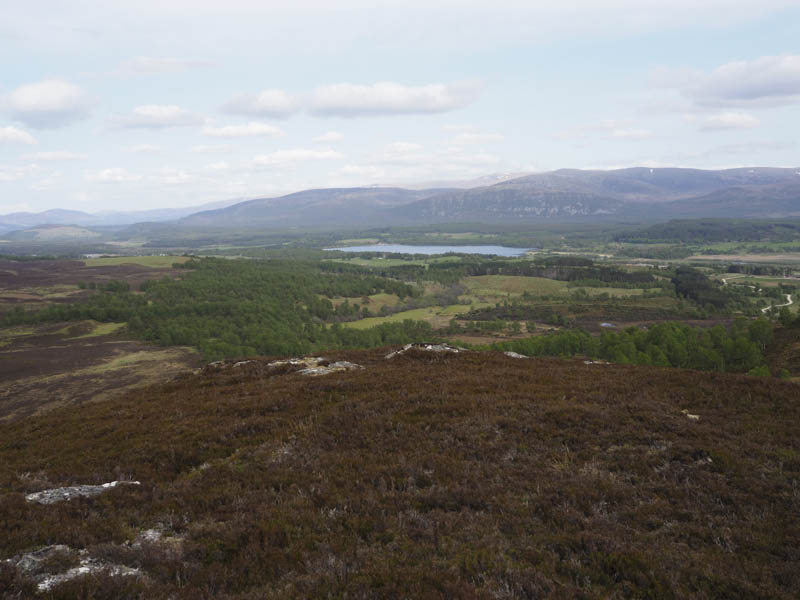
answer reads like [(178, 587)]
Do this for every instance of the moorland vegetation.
[(430, 475)]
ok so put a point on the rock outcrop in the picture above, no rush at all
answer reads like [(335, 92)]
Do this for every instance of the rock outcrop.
[(426, 347), (61, 494)]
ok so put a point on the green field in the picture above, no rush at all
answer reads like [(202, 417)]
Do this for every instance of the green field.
[(437, 316), (611, 291), (13, 332), (394, 262), (759, 280), (41, 292), (379, 262), (357, 241), (502, 285), (145, 261), (99, 329), (463, 236), (376, 301)]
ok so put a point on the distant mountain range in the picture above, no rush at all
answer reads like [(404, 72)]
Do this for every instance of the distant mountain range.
[(58, 216), (567, 194), (334, 206), (563, 195)]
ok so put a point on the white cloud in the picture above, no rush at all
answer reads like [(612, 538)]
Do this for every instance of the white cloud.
[(330, 136), (404, 162), (15, 135), (171, 176), (462, 128), (15, 172), (728, 120), (749, 148), (389, 98), (13, 208), (144, 148), (364, 172), (212, 149), (157, 116), (473, 137), (51, 182), (112, 175), (630, 134), (252, 129), (218, 166), (49, 103), (611, 129), (457, 158), (275, 104), (297, 155), (765, 81), (55, 155), (146, 65), (402, 153)]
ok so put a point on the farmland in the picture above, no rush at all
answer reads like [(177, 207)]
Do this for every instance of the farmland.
[(435, 316)]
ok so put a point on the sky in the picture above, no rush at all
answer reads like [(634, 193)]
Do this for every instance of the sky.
[(109, 105)]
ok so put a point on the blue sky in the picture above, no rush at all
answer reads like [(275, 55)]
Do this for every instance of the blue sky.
[(127, 106)]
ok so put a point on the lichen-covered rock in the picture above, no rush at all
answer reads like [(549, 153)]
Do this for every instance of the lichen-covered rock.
[(87, 566), (308, 362), (61, 494), (315, 365), (341, 365), (39, 561), (53, 565), (426, 347)]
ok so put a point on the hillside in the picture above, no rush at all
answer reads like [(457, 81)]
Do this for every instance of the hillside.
[(637, 193), (657, 185), (564, 195), (51, 233), (335, 206), (427, 475), (777, 200), (22, 220), (688, 231), (25, 220)]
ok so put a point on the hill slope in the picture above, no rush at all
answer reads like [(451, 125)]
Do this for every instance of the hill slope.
[(564, 195), (428, 475), (637, 193), (335, 206)]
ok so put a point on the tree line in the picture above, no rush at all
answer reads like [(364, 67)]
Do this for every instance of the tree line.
[(229, 308), (739, 349)]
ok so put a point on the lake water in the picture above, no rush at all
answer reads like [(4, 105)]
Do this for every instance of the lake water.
[(403, 249)]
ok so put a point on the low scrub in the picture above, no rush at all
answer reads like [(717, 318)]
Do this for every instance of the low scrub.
[(429, 475)]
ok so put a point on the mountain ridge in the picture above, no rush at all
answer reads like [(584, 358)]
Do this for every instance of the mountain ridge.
[(565, 194)]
